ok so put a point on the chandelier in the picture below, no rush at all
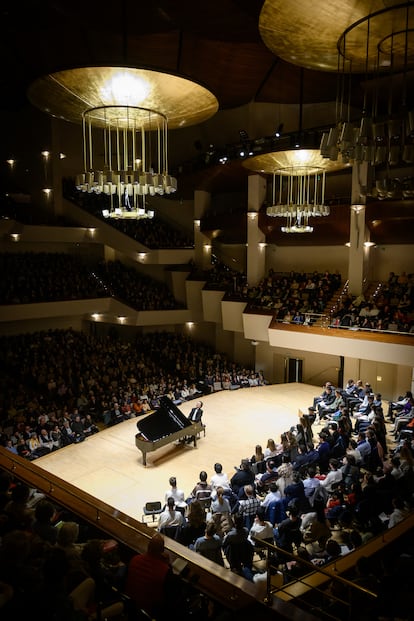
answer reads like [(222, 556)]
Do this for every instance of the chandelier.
[(135, 140), (298, 185), (301, 195), (126, 115), (381, 46)]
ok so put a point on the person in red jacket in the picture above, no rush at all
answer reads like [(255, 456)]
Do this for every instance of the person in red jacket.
[(149, 579)]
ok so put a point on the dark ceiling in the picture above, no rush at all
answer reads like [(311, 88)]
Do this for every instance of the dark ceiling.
[(216, 43)]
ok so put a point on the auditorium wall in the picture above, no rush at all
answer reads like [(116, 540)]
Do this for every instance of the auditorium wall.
[(382, 259)]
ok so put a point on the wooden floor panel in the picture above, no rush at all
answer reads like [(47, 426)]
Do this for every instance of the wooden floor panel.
[(109, 466)]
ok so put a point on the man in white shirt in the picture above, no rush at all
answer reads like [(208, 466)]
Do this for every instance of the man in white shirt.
[(333, 477), (273, 495), (219, 479), (170, 516), (176, 494)]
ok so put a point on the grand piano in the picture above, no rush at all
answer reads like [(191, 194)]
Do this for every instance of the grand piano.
[(167, 424)]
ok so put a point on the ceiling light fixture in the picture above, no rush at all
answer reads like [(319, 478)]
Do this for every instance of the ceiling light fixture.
[(298, 185), (384, 133), (298, 174), (126, 115)]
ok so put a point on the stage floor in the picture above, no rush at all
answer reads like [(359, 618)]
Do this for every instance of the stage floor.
[(109, 466)]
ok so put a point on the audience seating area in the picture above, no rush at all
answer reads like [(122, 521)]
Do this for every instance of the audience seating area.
[(31, 277), (327, 487), (390, 307)]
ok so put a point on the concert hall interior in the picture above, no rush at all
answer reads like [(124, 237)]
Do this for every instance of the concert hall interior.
[(247, 200)]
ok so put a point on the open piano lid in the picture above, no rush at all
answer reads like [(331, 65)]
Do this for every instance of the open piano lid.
[(166, 420)]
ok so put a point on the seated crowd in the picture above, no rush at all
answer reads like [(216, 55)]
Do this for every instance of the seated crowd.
[(315, 499), (59, 386), (54, 565), (294, 295), (391, 308), (327, 495), (153, 233), (33, 277)]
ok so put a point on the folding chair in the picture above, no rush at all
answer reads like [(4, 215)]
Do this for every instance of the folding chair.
[(151, 508)]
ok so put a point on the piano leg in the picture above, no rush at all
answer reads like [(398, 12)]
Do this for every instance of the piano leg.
[(144, 458)]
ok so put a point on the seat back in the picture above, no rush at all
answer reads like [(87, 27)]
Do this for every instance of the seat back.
[(173, 532), (151, 508), (205, 502)]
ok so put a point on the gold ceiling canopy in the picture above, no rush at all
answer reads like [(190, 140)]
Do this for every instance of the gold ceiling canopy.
[(69, 94), (292, 160), (307, 33)]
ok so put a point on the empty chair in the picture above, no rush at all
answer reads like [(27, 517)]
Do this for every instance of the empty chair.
[(151, 508)]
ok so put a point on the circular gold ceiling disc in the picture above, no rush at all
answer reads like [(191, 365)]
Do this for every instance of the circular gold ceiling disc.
[(69, 94), (286, 162), (307, 33)]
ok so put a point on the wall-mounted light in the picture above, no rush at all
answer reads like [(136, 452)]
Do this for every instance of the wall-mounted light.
[(142, 256), (62, 156), (96, 316), (369, 244), (207, 247), (15, 237), (357, 208), (348, 244), (121, 318), (262, 245), (190, 324), (197, 222), (252, 215), (47, 191), (11, 163)]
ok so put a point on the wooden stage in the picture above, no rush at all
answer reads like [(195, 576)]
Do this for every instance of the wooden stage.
[(109, 466)]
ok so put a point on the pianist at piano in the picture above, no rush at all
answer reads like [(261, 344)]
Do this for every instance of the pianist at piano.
[(166, 425), (196, 413)]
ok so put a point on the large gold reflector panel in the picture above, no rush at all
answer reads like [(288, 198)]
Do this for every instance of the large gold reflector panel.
[(292, 160), (307, 33), (68, 94)]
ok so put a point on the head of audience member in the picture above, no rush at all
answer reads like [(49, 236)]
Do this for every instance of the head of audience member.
[(218, 468), (271, 444), (68, 534), (333, 549), (245, 465), (273, 487), (156, 545), (333, 464), (248, 490), (261, 514)]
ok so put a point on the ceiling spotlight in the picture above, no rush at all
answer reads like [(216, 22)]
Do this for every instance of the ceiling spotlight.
[(279, 130)]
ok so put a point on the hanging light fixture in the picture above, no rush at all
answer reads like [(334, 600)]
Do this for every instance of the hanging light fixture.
[(298, 185), (135, 158), (381, 46), (300, 193), (126, 115)]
